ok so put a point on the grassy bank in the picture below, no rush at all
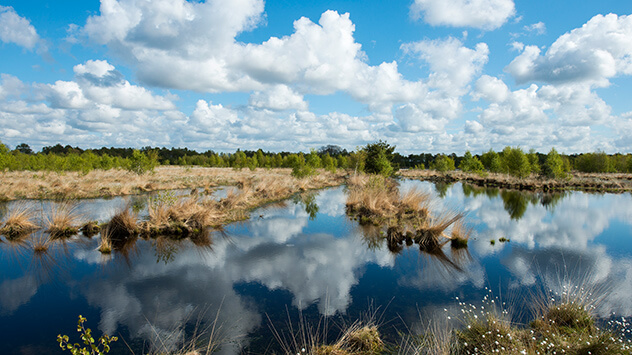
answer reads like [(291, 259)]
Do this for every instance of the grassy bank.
[(168, 215), (598, 182), (563, 326), (106, 183)]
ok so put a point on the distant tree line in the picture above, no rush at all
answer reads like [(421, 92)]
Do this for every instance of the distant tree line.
[(378, 157)]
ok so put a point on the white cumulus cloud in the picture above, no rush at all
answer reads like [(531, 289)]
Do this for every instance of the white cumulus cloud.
[(594, 53), (16, 29), (483, 14)]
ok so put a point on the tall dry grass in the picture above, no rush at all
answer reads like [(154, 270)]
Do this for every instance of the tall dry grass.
[(63, 219), (19, 221), (98, 183)]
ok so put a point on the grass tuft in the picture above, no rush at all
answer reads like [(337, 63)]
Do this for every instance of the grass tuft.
[(62, 220), (19, 222)]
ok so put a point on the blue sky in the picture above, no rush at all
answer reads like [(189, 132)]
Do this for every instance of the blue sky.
[(424, 75)]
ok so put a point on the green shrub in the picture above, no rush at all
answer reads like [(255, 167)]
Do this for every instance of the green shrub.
[(515, 162), (378, 159), (471, 164), (140, 163), (92, 347), (554, 165), (442, 163)]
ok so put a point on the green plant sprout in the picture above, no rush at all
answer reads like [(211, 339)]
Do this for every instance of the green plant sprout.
[(102, 345)]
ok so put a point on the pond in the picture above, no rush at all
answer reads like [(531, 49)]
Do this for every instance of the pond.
[(304, 261)]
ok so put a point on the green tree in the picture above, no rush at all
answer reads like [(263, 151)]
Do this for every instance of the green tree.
[(470, 163), (515, 162), (554, 165), (491, 161), (24, 148), (598, 162), (313, 160), (378, 159), (534, 161), (140, 163), (442, 163)]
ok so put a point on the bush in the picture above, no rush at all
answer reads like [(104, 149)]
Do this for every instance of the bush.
[(102, 345), (140, 163), (471, 164), (491, 161), (378, 159), (515, 162), (442, 163), (598, 162), (554, 165)]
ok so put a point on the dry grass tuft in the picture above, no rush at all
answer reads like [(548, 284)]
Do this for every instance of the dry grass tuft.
[(41, 244), (106, 241), (62, 220), (460, 235), (19, 222), (123, 225)]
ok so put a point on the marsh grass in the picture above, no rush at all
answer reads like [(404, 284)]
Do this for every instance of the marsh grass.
[(123, 225), (41, 244), (99, 183), (62, 220), (105, 247), (204, 340), (19, 221), (90, 229), (361, 337), (460, 235)]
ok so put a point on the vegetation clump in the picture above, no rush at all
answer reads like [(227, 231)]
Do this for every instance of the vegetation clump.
[(63, 220), (90, 345), (356, 340), (19, 222), (399, 218), (90, 229)]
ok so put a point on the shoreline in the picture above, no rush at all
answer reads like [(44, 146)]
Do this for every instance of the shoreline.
[(29, 185), (603, 182)]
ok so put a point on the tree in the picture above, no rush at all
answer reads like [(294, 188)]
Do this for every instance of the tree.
[(491, 161), (442, 163), (470, 164), (332, 150), (140, 163), (515, 162), (554, 165), (534, 161), (24, 148), (379, 158)]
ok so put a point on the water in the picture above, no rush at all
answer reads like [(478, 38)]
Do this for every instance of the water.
[(305, 258)]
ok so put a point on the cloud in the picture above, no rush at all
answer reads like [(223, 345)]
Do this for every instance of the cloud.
[(17, 29), (278, 97), (483, 14), (189, 46), (538, 28), (599, 50)]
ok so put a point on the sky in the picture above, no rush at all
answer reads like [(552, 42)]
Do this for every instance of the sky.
[(437, 76)]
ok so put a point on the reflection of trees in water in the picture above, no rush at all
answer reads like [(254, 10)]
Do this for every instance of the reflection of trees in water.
[(442, 188), (550, 200), (516, 202), (474, 191), (308, 201)]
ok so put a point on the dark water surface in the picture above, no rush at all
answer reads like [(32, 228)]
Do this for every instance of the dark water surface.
[(306, 258)]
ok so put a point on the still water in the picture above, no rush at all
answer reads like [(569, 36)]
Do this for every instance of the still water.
[(305, 259)]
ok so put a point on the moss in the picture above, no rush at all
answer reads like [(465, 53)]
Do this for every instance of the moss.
[(458, 243)]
